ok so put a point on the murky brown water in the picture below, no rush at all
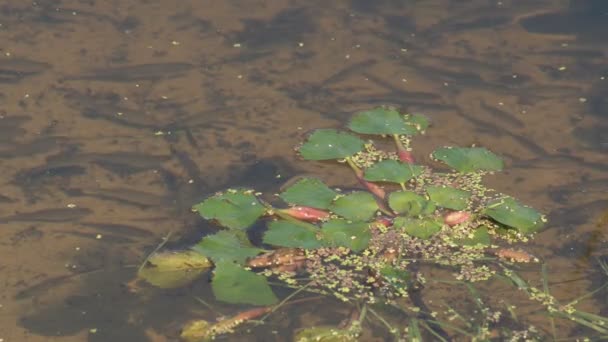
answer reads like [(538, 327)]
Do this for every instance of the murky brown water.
[(117, 116)]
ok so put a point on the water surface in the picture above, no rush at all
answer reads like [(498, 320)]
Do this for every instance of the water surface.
[(117, 116)]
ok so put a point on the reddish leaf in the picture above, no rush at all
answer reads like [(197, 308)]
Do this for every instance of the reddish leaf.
[(306, 213), (405, 156), (456, 217)]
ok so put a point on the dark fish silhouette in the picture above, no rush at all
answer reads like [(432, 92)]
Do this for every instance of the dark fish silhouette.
[(122, 195), (122, 229), (49, 215), (138, 72), (14, 70)]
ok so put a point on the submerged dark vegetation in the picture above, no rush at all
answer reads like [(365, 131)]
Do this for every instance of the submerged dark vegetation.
[(375, 248)]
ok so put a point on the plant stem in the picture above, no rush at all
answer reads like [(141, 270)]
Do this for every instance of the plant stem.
[(380, 200), (291, 295), (546, 290), (379, 317), (354, 166), (398, 143), (160, 245)]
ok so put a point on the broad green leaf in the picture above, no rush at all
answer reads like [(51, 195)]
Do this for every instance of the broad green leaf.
[(448, 197), (356, 206), (198, 331), (468, 159), (233, 284), (479, 237), (392, 171), (233, 209), (226, 245), (173, 269), (290, 234), (410, 203), (382, 121), (309, 192), (419, 121), (513, 214), (420, 228), (397, 278), (353, 235), (326, 144), (325, 334)]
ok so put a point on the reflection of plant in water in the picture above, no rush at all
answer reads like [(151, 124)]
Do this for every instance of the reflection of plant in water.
[(370, 248)]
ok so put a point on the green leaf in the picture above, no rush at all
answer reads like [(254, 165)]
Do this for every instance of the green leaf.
[(226, 245), (325, 334), (198, 331), (468, 159), (173, 269), (392, 171), (396, 277), (410, 203), (513, 214), (419, 121), (326, 144), (480, 237), (233, 209), (309, 192), (420, 228), (289, 234), (356, 206), (353, 235), (448, 197), (382, 121), (233, 284)]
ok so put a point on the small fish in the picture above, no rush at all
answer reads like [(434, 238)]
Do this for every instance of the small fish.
[(138, 72), (123, 195), (118, 162), (122, 116), (92, 236), (10, 127), (122, 229), (13, 121), (502, 115), (14, 70), (49, 215), (35, 176), (38, 146), (4, 199)]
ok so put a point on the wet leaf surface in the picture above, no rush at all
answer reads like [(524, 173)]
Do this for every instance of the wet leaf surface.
[(289, 234), (227, 245), (410, 203), (513, 214), (356, 206), (386, 121), (309, 192), (174, 269), (324, 334), (233, 284), (353, 235), (469, 159), (237, 210), (326, 144), (448, 197), (420, 228), (392, 171), (479, 237)]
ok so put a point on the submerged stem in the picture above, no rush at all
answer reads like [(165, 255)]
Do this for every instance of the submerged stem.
[(160, 245)]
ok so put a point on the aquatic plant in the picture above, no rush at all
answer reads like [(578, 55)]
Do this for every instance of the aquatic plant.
[(369, 247)]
